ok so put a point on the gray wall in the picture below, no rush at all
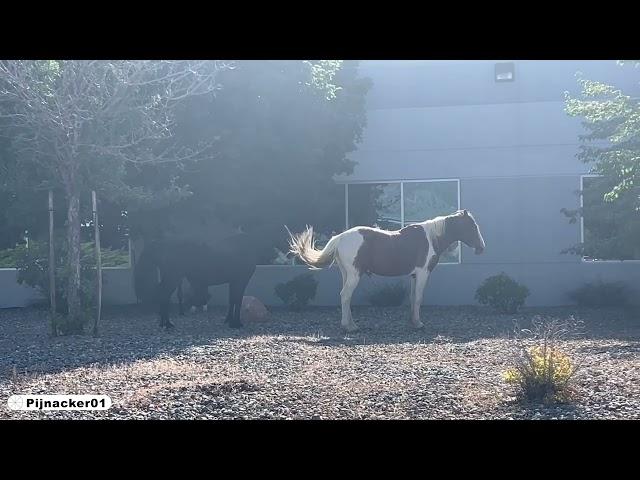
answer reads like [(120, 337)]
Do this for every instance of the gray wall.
[(117, 288), (450, 284)]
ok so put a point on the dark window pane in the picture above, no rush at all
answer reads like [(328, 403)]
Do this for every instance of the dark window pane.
[(375, 204)]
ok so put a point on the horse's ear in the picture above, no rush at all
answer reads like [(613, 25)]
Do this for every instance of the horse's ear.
[(465, 213)]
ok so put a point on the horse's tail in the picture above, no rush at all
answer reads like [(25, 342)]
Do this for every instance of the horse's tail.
[(146, 275), (303, 246)]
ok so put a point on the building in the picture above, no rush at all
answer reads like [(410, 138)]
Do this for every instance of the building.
[(489, 136), (493, 136)]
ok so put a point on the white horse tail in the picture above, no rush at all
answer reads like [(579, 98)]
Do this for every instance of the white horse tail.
[(303, 246)]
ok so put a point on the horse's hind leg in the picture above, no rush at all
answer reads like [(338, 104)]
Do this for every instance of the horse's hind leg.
[(165, 290), (236, 293), (179, 293), (350, 278)]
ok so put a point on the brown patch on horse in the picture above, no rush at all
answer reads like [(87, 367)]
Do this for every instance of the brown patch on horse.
[(392, 253)]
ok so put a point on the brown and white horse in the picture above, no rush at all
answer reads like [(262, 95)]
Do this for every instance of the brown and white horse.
[(413, 250)]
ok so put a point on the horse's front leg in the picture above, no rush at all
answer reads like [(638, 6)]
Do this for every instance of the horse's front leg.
[(417, 286), (345, 296), (413, 291)]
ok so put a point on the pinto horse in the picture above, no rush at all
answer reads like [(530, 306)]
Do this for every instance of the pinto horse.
[(232, 260), (413, 250)]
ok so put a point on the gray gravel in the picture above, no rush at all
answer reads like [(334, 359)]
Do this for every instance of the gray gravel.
[(300, 365)]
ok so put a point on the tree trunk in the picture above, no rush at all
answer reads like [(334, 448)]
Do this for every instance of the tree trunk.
[(96, 225), (75, 319), (52, 269)]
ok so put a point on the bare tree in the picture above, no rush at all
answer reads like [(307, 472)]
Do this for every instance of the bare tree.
[(82, 122)]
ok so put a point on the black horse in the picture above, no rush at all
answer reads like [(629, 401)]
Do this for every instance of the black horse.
[(164, 264)]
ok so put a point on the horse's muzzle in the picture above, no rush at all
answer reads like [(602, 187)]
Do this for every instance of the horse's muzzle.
[(479, 250)]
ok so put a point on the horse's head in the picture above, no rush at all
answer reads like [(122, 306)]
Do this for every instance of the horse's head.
[(463, 227)]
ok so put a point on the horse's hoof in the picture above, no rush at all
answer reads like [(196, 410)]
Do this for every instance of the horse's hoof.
[(352, 328), (169, 327), (235, 325), (418, 326)]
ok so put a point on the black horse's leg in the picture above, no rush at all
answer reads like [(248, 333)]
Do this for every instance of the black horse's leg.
[(179, 293), (237, 289), (165, 290), (230, 310), (203, 297)]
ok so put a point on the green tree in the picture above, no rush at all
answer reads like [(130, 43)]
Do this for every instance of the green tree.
[(283, 130), (612, 147), (80, 125), (613, 117)]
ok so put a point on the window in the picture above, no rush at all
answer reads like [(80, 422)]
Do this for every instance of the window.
[(424, 200), (375, 204), (607, 231), (392, 205)]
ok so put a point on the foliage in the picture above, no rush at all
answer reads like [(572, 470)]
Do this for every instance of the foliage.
[(177, 146), (611, 229), (601, 294), (542, 371), (283, 134), (388, 295), (612, 146), (542, 374), (9, 257), (33, 270), (610, 115), (297, 292), (502, 293)]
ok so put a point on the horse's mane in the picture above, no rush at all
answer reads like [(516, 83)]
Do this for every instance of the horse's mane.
[(438, 225)]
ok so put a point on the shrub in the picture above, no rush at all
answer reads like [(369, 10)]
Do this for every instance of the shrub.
[(388, 295), (542, 372), (33, 270), (502, 293), (601, 294), (297, 292), (10, 257)]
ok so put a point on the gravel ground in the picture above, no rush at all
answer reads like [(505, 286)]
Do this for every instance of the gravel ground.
[(300, 365)]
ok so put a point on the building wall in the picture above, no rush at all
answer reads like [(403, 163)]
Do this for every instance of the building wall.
[(451, 284)]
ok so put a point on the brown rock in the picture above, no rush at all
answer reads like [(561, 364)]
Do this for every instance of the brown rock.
[(253, 310)]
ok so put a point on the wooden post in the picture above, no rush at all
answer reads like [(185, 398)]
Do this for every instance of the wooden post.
[(52, 269), (98, 262)]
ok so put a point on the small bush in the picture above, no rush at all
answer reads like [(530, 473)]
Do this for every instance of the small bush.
[(542, 372), (297, 292), (388, 295), (10, 257), (33, 270), (601, 294), (502, 293)]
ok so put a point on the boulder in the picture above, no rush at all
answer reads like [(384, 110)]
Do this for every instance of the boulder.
[(253, 310)]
